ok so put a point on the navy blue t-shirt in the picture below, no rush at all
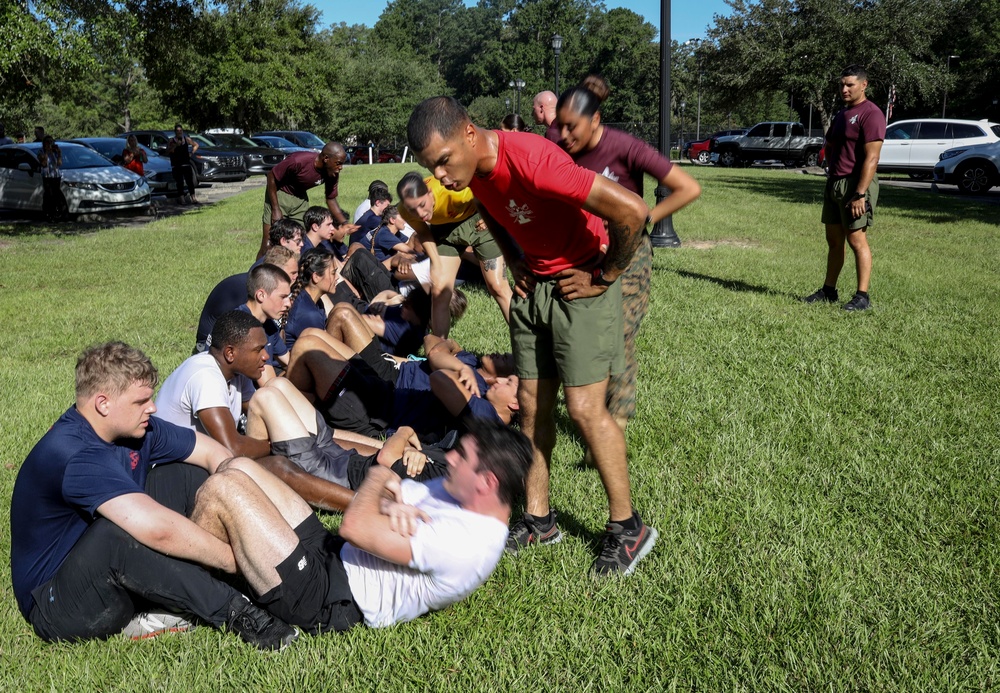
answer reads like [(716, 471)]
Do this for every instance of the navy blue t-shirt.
[(385, 241), (275, 344), (367, 225), (226, 296), (303, 314), (68, 475), (415, 405), (401, 338), (339, 250)]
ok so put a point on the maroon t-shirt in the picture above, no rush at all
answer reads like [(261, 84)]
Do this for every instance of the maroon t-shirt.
[(552, 132), (624, 159), (851, 130), (536, 193), (297, 173)]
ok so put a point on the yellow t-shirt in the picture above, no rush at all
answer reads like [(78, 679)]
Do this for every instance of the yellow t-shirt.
[(450, 206)]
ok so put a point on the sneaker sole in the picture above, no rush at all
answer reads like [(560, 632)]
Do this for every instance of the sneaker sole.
[(551, 540), (158, 633)]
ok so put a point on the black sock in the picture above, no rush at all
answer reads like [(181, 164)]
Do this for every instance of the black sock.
[(863, 293), (632, 523), (542, 522), (829, 290)]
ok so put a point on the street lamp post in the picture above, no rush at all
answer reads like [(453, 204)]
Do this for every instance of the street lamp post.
[(944, 99), (519, 85), (557, 47), (663, 235)]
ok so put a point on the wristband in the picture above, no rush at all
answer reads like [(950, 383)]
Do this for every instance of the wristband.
[(598, 278)]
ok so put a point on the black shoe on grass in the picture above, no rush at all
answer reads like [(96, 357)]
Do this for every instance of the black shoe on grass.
[(622, 549), (859, 302), (258, 627), (527, 531), (823, 294)]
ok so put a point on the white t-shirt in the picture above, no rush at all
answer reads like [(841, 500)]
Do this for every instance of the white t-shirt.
[(452, 555), (198, 384)]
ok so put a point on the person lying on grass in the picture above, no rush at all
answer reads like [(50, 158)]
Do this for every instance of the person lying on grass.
[(366, 394), (403, 549)]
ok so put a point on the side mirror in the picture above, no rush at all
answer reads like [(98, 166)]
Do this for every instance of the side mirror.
[(26, 168)]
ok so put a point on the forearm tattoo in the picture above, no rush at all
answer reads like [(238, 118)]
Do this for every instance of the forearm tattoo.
[(622, 246)]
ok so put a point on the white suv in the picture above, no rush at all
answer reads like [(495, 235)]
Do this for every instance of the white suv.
[(914, 146), (974, 169)]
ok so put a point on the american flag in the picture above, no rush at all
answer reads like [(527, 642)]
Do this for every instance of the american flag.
[(891, 103)]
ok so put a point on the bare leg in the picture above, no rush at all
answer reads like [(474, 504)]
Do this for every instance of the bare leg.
[(346, 325), (338, 346), (495, 276), (586, 406), (314, 366), (319, 493), (443, 275), (858, 240), (537, 400), (272, 409), (835, 256)]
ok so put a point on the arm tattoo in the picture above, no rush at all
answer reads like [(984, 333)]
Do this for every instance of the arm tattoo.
[(622, 246)]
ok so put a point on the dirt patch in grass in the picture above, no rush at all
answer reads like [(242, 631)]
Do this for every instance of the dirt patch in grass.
[(731, 242)]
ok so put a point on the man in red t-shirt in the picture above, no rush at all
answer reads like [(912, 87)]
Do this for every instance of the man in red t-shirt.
[(548, 217), (289, 182), (853, 146)]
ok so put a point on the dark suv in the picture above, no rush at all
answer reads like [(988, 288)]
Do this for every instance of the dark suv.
[(210, 162), (302, 138), (258, 158)]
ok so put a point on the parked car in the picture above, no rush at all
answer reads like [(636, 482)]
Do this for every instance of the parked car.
[(915, 146), (974, 168), (279, 143), (90, 182), (303, 138), (156, 170), (700, 151), (359, 155), (210, 162), (771, 141), (258, 158)]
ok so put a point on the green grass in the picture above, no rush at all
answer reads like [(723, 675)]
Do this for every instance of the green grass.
[(825, 485)]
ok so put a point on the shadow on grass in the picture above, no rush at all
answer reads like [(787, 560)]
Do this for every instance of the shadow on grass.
[(735, 285), (924, 204)]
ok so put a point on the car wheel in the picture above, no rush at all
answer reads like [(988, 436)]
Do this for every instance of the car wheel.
[(975, 178), (704, 157), (727, 158), (812, 159)]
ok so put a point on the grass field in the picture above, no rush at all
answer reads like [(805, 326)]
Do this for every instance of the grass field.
[(826, 485)]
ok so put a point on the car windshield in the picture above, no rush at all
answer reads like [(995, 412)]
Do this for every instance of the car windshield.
[(81, 157), (279, 142), (235, 141), (311, 139), (113, 148), (202, 141)]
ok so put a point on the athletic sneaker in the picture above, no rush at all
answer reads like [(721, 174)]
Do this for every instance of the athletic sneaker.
[(258, 627), (527, 531), (621, 549), (859, 302), (821, 295), (152, 623)]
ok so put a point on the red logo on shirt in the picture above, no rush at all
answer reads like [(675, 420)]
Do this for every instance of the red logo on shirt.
[(133, 457)]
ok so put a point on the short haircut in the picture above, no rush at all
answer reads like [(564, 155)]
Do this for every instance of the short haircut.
[(442, 115), (379, 195), (266, 277), (279, 256), (233, 329), (411, 185), (389, 213), (855, 71), (284, 230), (315, 216), (505, 452), (377, 184), (112, 368), (178, 126)]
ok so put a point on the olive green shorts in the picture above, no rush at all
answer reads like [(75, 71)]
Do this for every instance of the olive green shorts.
[(835, 209), (452, 239), (580, 342), (291, 207)]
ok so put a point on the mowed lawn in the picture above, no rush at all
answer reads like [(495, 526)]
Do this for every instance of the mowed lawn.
[(825, 485)]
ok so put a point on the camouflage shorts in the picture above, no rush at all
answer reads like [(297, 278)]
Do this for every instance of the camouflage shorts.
[(635, 283)]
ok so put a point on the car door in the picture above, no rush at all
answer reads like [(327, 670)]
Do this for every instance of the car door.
[(933, 137), (22, 189), (965, 134), (899, 138), (756, 142)]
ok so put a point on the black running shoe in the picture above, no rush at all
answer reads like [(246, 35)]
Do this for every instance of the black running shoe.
[(821, 295), (859, 302), (621, 549), (526, 532), (258, 627)]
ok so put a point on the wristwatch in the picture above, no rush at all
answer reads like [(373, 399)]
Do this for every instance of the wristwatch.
[(598, 278), (858, 196)]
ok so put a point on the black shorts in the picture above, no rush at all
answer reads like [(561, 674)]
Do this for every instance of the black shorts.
[(361, 402), (314, 593)]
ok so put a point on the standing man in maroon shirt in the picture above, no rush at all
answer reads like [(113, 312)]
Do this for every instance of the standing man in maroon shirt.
[(548, 216), (853, 146), (289, 182)]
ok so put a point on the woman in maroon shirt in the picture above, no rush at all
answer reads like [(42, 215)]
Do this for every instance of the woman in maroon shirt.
[(624, 159)]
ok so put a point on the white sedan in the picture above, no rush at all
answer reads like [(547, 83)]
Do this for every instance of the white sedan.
[(90, 182)]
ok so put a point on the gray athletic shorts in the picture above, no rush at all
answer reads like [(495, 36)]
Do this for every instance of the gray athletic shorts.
[(319, 455)]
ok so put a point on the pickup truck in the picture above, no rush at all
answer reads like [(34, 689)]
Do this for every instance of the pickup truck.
[(785, 142)]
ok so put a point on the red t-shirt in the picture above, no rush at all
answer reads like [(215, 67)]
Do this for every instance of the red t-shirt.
[(852, 128), (536, 193), (297, 173), (135, 166), (624, 159)]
